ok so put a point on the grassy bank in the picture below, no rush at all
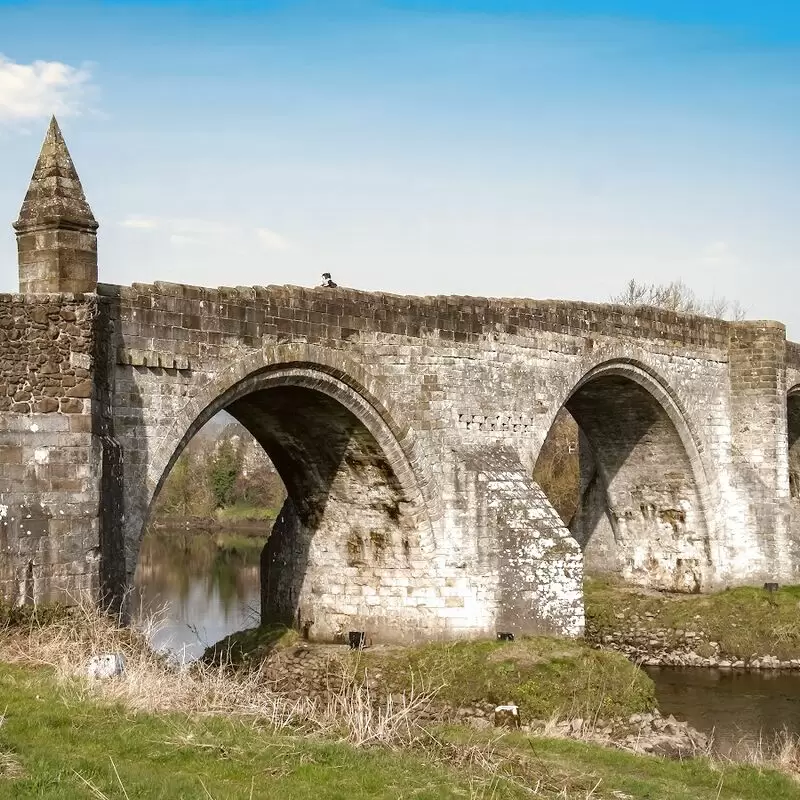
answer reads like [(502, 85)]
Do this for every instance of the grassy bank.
[(545, 677), (58, 741), (240, 517), (54, 743), (210, 732), (743, 622)]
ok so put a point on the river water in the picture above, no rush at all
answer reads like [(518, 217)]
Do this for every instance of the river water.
[(208, 586), (199, 586)]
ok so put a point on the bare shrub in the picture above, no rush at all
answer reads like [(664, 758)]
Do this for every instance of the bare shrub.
[(677, 296), (557, 469)]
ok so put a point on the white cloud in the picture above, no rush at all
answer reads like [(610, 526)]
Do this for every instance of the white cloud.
[(142, 223), (33, 91), (271, 240), (181, 240), (718, 252), (191, 231)]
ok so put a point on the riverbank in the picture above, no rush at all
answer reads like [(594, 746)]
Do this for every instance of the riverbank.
[(742, 628), (58, 741), (561, 688), (240, 518), (207, 731)]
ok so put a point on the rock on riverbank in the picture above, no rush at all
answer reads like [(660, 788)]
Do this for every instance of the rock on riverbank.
[(744, 628), (472, 678)]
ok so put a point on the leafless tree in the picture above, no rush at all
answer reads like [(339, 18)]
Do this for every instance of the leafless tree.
[(677, 296)]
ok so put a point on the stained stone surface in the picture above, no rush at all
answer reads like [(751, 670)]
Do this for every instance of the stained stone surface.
[(405, 430)]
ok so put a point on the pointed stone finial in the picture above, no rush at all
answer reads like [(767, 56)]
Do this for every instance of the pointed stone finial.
[(56, 230)]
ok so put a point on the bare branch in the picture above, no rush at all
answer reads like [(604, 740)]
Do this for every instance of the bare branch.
[(677, 296)]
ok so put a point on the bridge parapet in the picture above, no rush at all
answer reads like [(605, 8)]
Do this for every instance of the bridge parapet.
[(342, 313)]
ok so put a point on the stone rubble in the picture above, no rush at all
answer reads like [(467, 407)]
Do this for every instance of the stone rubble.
[(320, 671), (673, 647)]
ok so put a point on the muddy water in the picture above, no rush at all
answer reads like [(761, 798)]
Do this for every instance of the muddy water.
[(742, 709)]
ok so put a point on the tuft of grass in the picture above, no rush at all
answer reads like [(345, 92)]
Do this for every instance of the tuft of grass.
[(545, 677), (250, 646), (245, 512), (744, 621)]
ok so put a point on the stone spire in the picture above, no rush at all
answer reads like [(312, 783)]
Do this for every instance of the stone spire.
[(56, 230)]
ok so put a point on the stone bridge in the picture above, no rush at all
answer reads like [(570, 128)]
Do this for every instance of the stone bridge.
[(405, 430)]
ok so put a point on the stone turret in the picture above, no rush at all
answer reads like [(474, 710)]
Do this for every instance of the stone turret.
[(56, 230)]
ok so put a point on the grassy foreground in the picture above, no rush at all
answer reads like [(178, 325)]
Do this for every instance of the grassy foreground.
[(744, 622), (58, 740), (545, 677)]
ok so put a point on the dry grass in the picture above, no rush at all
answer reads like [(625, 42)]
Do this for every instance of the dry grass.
[(9, 764), (154, 683), (781, 751)]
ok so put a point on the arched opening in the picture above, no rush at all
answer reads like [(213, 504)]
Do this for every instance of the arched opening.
[(624, 478), (199, 560), (793, 430), (340, 553)]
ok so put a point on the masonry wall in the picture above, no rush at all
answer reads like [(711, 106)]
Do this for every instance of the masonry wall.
[(445, 379), (49, 465), (454, 374), (793, 439)]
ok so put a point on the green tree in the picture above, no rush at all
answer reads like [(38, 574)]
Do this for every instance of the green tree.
[(223, 472)]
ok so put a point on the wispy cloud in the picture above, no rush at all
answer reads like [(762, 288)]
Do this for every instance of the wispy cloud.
[(33, 91), (271, 240), (718, 252), (189, 231), (143, 223), (181, 240)]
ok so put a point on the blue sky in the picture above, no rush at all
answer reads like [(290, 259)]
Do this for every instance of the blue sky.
[(492, 148)]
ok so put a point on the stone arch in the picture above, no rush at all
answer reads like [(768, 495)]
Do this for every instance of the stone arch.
[(335, 373), (793, 436), (357, 514), (644, 494)]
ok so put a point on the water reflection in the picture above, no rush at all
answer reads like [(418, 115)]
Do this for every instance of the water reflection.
[(210, 585), (207, 584), (741, 708)]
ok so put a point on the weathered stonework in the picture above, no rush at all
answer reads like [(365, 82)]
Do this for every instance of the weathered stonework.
[(49, 494), (56, 230), (405, 430)]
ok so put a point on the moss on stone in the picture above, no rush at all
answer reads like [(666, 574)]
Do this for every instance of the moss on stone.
[(544, 676), (250, 646), (744, 622)]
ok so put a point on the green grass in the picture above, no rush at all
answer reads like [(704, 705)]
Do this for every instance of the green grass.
[(745, 621), (53, 737), (250, 646), (54, 734), (599, 772), (543, 676), (241, 512)]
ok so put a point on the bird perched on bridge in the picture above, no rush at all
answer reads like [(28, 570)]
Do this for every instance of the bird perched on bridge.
[(327, 281)]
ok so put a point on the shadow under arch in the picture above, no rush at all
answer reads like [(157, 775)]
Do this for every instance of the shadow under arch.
[(793, 439), (355, 505), (644, 496)]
